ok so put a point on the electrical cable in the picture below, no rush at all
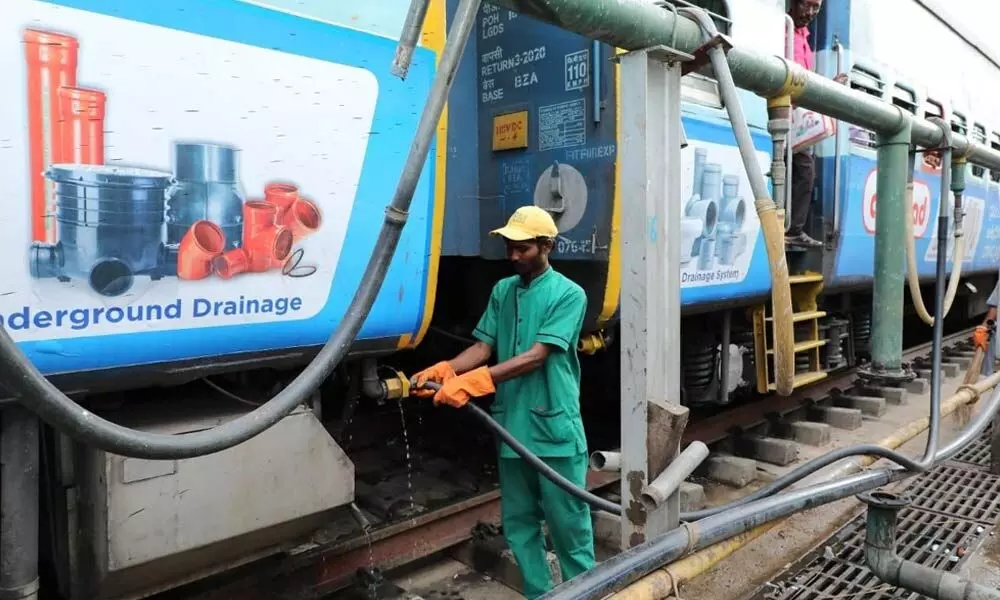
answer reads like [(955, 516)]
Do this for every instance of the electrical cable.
[(229, 394)]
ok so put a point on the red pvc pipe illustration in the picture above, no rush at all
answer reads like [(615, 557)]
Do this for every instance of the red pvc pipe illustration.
[(257, 216), (282, 196), (269, 247), (199, 247), (302, 219), (51, 61), (232, 263), (81, 118)]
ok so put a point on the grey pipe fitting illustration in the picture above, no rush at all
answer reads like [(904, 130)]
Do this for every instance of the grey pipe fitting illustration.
[(208, 189), (109, 223), (110, 220)]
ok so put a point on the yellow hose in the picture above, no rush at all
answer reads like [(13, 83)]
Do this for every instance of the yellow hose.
[(913, 278), (781, 297), (772, 223), (659, 584)]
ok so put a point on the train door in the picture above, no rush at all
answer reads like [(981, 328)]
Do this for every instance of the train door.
[(547, 137)]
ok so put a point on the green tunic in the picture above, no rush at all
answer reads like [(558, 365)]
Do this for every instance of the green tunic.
[(541, 410)]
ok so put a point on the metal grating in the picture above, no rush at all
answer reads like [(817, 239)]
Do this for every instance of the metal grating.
[(933, 540), (953, 508), (976, 453), (960, 493)]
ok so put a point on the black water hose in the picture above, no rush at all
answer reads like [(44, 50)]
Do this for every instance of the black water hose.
[(535, 462), (939, 292), (799, 473), (34, 391), (635, 563)]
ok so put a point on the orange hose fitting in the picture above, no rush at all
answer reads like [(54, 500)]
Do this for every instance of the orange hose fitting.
[(269, 247), (282, 196), (199, 247), (302, 219), (231, 263)]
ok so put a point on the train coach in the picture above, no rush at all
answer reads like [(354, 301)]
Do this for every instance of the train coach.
[(197, 187)]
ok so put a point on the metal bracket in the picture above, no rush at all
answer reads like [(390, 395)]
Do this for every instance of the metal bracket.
[(664, 54), (700, 57)]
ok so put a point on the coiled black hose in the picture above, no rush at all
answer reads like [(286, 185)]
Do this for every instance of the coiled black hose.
[(535, 462), (36, 393)]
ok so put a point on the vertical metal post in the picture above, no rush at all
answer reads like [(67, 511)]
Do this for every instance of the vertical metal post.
[(890, 271), (784, 201), (652, 419), (18, 503), (727, 329)]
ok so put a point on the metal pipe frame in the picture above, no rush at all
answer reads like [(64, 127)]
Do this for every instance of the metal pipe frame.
[(409, 37), (653, 419), (670, 480), (838, 144), (19, 466), (638, 24), (881, 557), (894, 167), (606, 461), (785, 201)]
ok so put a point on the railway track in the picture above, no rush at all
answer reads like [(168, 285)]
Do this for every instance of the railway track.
[(424, 506)]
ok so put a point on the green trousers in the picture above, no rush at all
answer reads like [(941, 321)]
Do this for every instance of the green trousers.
[(526, 499)]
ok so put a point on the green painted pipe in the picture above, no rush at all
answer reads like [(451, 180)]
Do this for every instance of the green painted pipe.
[(638, 24), (958, 171), (890, 252)]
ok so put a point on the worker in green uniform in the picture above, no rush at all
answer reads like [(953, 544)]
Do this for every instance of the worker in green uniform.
[(533, 323)]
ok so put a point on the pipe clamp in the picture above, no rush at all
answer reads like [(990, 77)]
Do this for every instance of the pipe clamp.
[(396, 216), (796, 78)]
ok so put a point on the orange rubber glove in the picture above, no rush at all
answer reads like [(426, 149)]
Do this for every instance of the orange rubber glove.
[(981, 337), (457, 390), (439, 373)]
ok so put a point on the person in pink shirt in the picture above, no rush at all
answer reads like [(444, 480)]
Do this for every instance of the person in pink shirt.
[(803, 12)]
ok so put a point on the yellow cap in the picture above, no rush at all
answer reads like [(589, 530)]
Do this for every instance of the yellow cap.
[(528, 223)]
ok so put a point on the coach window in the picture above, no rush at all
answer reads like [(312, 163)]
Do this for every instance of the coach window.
[(867, 81), (696, 87), (995, 144), (933, 108), (905, 98), (958, 123), (978, 136)]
